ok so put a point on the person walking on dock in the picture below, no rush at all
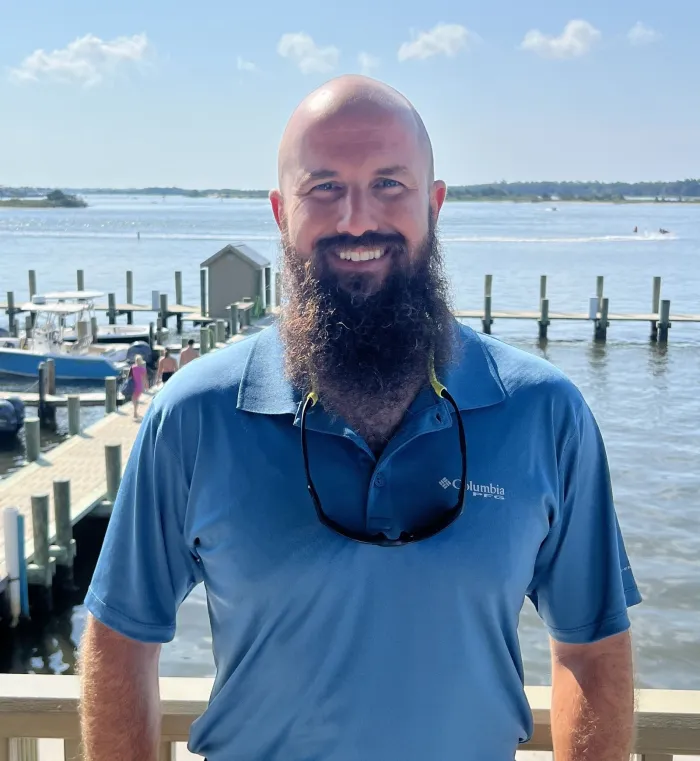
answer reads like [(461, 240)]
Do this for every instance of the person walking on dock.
[(189, 353), (139, 373), (167, 367), (369, 491)]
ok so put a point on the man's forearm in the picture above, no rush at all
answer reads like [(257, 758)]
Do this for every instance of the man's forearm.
[(593, 705), (120, 704)]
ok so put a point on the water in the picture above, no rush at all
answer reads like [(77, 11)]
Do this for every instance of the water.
[(645, 396)]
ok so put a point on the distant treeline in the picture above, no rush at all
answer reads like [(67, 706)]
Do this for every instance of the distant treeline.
[(499, 191)]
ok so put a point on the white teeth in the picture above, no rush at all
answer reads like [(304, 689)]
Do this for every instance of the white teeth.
[(361, 255)]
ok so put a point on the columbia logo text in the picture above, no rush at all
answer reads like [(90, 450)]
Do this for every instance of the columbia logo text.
[(489, 491)]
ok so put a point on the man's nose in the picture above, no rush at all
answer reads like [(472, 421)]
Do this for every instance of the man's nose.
[(356, 214)]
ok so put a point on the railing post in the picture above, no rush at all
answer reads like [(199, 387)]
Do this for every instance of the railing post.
[(22, 749), (664, 320), (600, 332), (113, 465), (166, 752), (203, 339), (544, 318), (110, 394), (64, 550), (72, 750), (203, 292), (32, 435), (81, 280)]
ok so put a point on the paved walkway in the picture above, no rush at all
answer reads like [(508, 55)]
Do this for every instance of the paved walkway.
[(81, 459)]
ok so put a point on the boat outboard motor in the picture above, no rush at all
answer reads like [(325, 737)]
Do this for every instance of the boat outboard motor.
[(142, 348), (11, 417)]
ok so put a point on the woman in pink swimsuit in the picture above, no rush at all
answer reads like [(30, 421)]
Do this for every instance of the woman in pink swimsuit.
[(140, 376)]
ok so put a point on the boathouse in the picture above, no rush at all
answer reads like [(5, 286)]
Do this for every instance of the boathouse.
[(235, 273)]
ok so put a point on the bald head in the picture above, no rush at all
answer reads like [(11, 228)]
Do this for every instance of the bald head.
[(346, 104)]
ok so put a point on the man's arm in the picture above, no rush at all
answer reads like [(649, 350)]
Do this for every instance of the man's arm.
[(593, 700), (120, 701)]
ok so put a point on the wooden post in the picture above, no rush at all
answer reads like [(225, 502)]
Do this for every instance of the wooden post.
[(488, 282), (94, 329), (221, 331), (163, 313), (113, 464), (28, 327), (40, 571), (81, 280), (544, 317), (64, 549), (212, 335), (21, 749), (47, 414), (166, 751), (278, 289), (487, 321), (32, 284), (268, 289), (599, 290), (655, 297), (32, 435), (178, 287), (50, 377), (601, 325), (203, 292), (233, 319), (543, 287), (203, 340), (129, 295), (11, 312), (664, 320), (111, 308), (151, 335), (73, 414), (110, 394)]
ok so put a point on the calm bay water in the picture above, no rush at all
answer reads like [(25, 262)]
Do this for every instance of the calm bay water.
[(646, 397)]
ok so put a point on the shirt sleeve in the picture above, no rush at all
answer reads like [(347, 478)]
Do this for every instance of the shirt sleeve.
[(146, 569), (583, 583)]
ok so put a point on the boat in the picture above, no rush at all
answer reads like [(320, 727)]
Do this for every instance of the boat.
[(79, 360), (106, 334), (11, 418)]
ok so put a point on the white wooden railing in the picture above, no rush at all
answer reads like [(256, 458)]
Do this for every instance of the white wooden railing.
[(37, 706)]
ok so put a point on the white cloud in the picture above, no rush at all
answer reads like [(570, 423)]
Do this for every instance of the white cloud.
[(87, 60), (309, 57), (576, 40), (641, 34), (367, 62), (243, 65), (443, 39)]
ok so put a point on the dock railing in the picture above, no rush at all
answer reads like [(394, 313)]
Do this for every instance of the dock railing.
[(40, 706)]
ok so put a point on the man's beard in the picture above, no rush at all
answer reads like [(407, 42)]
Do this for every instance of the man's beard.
[(365, 346)]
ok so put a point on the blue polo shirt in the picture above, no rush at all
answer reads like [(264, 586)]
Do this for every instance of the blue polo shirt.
[(331, 650)]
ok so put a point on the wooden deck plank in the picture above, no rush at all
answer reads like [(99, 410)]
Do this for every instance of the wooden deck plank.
[(92, 399)]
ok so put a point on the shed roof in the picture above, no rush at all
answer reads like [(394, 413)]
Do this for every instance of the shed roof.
[(243, 251)]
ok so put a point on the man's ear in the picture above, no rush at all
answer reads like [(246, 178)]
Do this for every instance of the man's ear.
[(277, 203), (438, 194)]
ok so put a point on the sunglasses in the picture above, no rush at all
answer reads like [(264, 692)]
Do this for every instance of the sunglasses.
[(445, 519)]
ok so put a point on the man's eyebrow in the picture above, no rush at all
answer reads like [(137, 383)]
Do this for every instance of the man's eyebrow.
[(396, 169), (318, 174)]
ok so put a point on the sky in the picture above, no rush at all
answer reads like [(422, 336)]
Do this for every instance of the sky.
[(196, 94)]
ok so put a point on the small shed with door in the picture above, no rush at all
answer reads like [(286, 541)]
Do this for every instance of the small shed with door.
[(235, 273)]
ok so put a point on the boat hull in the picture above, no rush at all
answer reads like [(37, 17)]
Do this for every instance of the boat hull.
[(114, 334), (25, 364)]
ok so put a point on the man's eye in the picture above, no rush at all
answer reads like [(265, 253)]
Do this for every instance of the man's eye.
[(326, 186), (387, 183)]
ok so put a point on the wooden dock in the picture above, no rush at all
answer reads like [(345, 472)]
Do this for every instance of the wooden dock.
[(92, 399)]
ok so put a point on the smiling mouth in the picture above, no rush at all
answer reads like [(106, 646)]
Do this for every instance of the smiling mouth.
[(360, 254)]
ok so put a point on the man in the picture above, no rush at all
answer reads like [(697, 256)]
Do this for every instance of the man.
[(364, 571), (188, 354)]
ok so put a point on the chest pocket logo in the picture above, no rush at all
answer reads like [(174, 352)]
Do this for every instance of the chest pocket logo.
[(488, 491)]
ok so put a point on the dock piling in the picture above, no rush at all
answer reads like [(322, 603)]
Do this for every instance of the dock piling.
[(543, 287), (221, 331), (111, 308), (203, 340), (151, 335), (81, 280), (278, 289), (40, 572), (32, 284), (600, 332), (163, 311), (655, 297), (113, 465), (212, 335), (28, 326), (233, 319), (64, 550), (178, 300), (129, 295), (487, 322), (32, 435), (50, 377), (203, 292), (94, 329), (664, 320), (110, 394), (11, 313), (47, 414), (600, 282), (544, 318), (268, 289), (73, 414)]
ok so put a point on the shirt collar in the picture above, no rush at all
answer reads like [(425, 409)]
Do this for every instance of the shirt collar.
[(471, 377)]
